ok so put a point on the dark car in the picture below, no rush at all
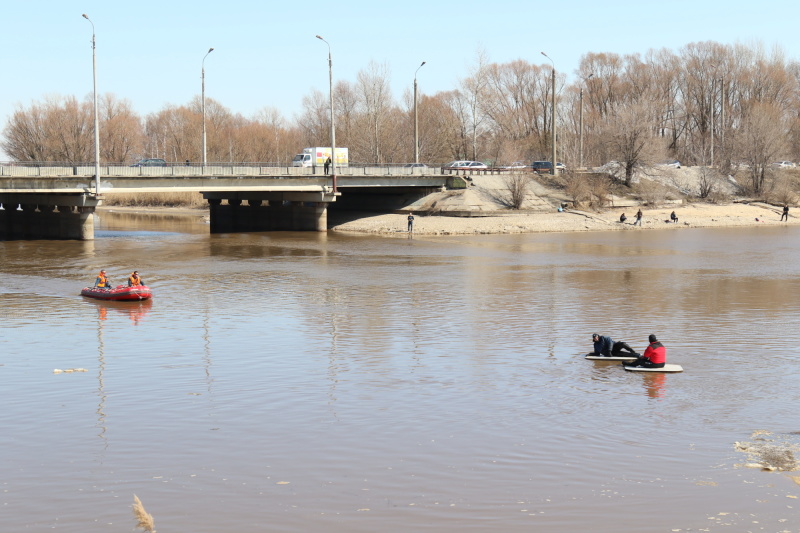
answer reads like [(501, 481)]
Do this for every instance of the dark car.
[(542, 166), (150, 163), (547, 166)]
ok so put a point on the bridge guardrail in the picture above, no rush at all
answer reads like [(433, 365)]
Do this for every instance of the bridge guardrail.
[(226, 170)]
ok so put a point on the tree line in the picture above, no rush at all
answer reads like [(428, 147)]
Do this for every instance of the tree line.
[(705, 104)]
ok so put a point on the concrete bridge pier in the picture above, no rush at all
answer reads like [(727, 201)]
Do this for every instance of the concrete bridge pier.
[(262, 211), (47, 216)]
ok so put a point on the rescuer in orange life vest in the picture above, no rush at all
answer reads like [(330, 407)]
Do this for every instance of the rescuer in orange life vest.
[(102, 281), (135, 280)]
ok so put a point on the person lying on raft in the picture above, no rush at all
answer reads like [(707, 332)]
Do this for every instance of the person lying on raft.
[(655, 355), (605, 346)]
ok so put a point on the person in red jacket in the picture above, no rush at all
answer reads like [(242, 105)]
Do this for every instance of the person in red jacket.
[(655, 355)]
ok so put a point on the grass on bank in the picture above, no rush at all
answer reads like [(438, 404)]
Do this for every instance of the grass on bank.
[(155, 199)]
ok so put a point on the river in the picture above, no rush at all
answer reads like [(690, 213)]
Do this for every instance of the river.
[(296, 382)]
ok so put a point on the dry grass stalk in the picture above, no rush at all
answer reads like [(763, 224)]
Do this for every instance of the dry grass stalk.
[(144, 520), (155, 199)]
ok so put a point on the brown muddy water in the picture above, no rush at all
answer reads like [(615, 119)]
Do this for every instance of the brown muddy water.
[(298, 382)]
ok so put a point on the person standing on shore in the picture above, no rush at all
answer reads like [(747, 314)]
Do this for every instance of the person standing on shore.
[(410, 222), (785, 213), (638, 218), (655, 355)]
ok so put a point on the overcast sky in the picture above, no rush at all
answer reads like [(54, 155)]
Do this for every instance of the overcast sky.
[(266, 55)]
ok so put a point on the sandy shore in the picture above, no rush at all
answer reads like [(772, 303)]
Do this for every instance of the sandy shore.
[(689, 216)]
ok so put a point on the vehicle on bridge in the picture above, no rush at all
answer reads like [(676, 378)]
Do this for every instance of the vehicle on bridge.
[(316, 157), (465, 165), (150, 163), (546, 167)]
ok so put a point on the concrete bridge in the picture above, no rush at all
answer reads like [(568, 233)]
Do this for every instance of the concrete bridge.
[(56, 202)]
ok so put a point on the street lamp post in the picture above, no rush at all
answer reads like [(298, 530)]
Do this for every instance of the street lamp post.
[(96, 119), (722, 116), (553, 127), (580, 126), (203, 100), (416, 118), (333, 126)]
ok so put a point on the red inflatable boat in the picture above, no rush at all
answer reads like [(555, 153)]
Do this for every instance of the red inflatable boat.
[(120, 293)]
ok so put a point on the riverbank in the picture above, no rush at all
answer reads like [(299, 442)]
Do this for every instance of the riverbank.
[(689, 216)]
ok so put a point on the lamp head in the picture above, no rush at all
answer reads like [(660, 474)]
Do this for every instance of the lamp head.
[(210, 50), (84, 16)]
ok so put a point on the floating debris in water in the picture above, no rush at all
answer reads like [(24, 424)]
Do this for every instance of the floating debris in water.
[(68, 370), (769, 453)]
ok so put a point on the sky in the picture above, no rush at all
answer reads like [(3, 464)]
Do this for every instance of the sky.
[(266, 54)]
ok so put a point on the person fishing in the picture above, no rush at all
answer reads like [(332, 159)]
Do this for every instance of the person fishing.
[(605, 346), (134, 280), (102, 281), (655, 355)]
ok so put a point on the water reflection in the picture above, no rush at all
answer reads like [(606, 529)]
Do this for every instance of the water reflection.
[(654, 384), (134, 310)]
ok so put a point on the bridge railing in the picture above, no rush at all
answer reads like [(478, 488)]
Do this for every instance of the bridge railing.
[(211, 170), (49, 169)]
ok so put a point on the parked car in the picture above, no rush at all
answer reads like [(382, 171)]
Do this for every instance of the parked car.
[(464, 165), (454, 165), (415, 165), (516, 165), (150, 163), (672, 163), (783, 164), (547, 166), (541, 166)]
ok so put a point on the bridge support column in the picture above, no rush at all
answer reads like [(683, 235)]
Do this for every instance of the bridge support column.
[(268, 212), (53, 217)]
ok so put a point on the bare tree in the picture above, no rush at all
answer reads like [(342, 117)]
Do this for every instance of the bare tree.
[(25, 134), (517, 185), (630, 140), (122, 133), (376, 102), (473, 91), (315, 122), (761, 138), (60, 129)]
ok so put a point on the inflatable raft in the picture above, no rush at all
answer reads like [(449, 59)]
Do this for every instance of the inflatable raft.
[(121, 293)]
